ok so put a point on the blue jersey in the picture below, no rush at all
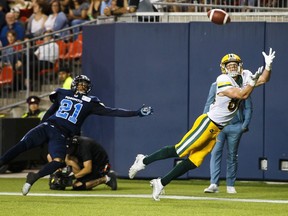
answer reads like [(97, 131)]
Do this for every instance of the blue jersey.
[(69, 110)]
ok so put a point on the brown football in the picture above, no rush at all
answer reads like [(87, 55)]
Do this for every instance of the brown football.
[(218, 16)]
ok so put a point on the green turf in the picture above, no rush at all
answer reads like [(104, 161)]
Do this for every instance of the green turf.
[(51, 205)]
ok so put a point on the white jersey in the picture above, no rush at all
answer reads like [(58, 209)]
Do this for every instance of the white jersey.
[(223, 109)]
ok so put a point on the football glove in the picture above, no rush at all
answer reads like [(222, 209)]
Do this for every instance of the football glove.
[(252, 80), (145, 111), (269, 59)]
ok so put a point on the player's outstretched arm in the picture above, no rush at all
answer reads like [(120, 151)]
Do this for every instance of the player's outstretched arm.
[(253, 79), (101, 109), (265, 77), (243, 93)]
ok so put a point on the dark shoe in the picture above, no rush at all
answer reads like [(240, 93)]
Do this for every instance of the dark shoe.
[(113, 180)]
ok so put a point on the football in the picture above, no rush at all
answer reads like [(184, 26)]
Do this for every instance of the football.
[(218, 16)]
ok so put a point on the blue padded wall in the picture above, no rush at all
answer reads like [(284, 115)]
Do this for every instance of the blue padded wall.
[(98, 62), (171, 67), (150, 66), (276, 118)]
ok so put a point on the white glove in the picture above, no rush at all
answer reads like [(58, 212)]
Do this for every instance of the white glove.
[(269, 59), (252, 80)]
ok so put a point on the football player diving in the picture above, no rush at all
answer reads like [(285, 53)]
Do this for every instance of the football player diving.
[(200, 140), (63, 120)]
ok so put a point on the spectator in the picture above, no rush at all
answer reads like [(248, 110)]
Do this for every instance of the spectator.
[(141, 6), (65, 78), (21, 4), (12, 24), (4, 6), (78, 14), (65, 6), (57, 20), (245, 3), (90, 164), (117, 7), (9, 54), (34, 110), (94, 8), (2, 14), (104, 4), (26, 10), (176, 8), (35, 25), (16, 12), (43, 58)]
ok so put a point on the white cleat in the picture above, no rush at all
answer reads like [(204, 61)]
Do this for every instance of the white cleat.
[(231, 190), (213, 188), (158, 188), (137, 166), (26, 188)]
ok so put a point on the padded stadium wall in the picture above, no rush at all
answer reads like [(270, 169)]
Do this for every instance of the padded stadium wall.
[(171, 67)]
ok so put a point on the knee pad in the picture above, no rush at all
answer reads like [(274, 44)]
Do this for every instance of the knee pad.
[(170, 151)]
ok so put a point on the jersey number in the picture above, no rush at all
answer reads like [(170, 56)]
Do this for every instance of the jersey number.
[(233, 104), (65, 108)]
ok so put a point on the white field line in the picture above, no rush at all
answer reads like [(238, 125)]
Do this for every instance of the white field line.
[(146, 196)]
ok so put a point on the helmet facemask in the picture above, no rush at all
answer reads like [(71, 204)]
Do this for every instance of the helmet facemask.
[(81, 84), (235, 68)]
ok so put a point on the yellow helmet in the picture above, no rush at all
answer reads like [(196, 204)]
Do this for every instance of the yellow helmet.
[(231, 58)]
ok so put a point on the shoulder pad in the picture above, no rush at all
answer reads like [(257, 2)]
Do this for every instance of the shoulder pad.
[(95, 99), (53, 95)]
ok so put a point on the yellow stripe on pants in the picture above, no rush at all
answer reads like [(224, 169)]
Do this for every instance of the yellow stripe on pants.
[(199, 141)]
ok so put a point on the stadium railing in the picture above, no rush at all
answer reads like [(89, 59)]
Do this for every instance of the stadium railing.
[(13, 88)]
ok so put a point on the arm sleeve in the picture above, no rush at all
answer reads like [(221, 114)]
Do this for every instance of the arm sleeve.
[(247, 112), (210, 98), (20, 32), (103, 110), (60, 22), (50, 112)]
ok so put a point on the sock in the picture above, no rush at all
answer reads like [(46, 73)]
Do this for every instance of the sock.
[(107, 179), (50, 168), (165, 152), (178, 171)]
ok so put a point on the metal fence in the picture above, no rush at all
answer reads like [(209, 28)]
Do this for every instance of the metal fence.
[(22, 74), (228, 5)]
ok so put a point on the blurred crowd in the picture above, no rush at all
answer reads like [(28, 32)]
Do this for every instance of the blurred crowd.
[(21, 20), (37, 16), (30, 18)]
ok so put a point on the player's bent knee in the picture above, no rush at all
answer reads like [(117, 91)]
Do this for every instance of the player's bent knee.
[(78, 187)]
